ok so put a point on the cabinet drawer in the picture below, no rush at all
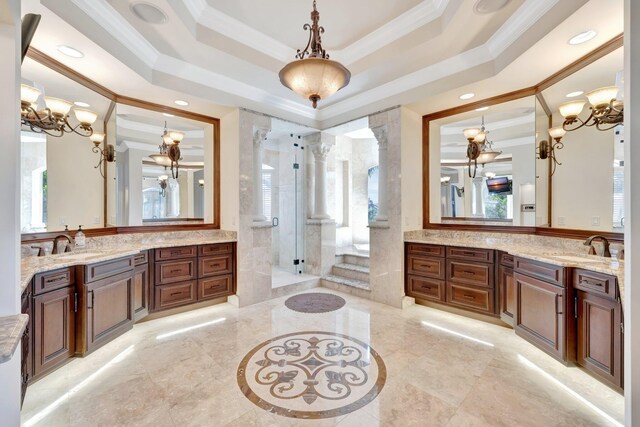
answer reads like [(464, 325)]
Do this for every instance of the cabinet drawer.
[(175, 295), (471, 298), (176, 253), (106, 269), (141, 258), (215, 287), (470, 254), (596, 283), (421, 287), (220, 248), (424, 266), (175, 271), (548, 272), (215, 265), (505, 259), (470, 273), (428, 250), (51, 280)]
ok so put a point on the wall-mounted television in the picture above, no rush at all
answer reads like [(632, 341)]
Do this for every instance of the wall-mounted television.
[(500, 185)]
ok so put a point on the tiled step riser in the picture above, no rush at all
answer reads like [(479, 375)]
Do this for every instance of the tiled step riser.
[(350, 274), (357, 260), (361, 293)]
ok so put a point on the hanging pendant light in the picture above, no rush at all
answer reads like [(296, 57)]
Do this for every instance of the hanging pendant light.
[(313, 75)]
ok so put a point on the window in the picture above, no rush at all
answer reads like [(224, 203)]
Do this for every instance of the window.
[(618, 196), (266, 193)]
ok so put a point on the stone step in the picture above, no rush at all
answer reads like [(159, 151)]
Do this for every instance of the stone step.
[(351, 271), (352, 283), (353, 259)]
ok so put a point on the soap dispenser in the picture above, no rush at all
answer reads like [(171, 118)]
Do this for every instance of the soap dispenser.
[(80, 238)]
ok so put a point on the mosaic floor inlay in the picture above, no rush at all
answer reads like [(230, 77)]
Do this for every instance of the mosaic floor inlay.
[(314, 302), (312, 375)]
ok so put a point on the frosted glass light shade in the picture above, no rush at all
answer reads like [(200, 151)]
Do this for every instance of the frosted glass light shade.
[(167, 139), (490, 175), (161, 159), (471, 133), (315, 78), (572, 109), (57, 105), (97, 137), (176, 136), (557, 132), (163, 177), (488, 156), (481, 137), (85, 116), (29, 94), (603, 96)]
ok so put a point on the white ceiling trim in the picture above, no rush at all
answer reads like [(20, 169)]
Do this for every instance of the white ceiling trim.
[(155, 130), (217, 21), (127, 144), (491, 125)]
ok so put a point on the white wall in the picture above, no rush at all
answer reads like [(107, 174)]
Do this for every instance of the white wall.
[(583, 184), (632, 213), (10, 196), (75, 188), (229, 170), (411, 167)]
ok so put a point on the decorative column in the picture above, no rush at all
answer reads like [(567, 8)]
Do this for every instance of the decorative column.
[(478, 202), (383, 152), (258, 153), (320, 152)]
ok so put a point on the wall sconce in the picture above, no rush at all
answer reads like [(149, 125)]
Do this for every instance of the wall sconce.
[(201, 183), (108, 154), (163, 181), (169, 150), (480, 149), (606, 111), (547, 150), (54, 119)]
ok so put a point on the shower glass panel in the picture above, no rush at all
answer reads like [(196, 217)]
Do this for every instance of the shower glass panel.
[(283, 184)]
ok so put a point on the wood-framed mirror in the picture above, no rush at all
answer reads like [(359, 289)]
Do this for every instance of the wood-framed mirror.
[(67, 189), (514, 190)]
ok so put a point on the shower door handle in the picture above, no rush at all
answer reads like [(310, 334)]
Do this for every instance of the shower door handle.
[(275, 221)]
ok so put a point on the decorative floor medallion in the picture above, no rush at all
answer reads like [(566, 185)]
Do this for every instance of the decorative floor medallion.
[(315, 302), (312, 375)]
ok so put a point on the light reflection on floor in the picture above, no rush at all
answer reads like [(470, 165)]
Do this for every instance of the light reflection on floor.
[(435, 374)]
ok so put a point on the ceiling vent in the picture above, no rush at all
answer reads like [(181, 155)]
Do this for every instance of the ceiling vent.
[(483, 7), (148, 13)]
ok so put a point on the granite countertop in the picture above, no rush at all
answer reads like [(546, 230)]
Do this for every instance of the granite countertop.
[(11, 330), (33, 265), (536, 252)]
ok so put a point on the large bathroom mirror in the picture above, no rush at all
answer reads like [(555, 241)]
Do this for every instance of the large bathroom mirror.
[(587, 183), (147, 187), (62, 184), (500, 187), (65, 184)]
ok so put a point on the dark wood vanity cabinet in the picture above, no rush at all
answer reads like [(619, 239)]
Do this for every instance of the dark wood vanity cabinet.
[(53, 320), (25, 346), (600, 328), (191, 274), (141, 285), (507, 288), (459, 277), (107, 293)]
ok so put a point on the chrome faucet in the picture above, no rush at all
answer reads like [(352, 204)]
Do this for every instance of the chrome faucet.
[(605, 243), (57, 239)]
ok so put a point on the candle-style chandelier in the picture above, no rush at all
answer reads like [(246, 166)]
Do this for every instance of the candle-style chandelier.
[(606, 111)]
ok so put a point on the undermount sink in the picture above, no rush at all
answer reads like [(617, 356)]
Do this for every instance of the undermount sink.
[(573, 258)]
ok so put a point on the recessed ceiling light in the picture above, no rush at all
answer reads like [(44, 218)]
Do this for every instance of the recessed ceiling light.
[(467, 96), (583, 37), (69, 51), (181, 102), (483, 7), (168, 115), (82, 104), (574, 94), (482, 109), (148, 13)]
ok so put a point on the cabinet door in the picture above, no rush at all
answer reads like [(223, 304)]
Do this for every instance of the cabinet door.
[(541, 315), (25, 345), (141, 291), (508, 294), (54, 329), (600, 337), (109, 309)]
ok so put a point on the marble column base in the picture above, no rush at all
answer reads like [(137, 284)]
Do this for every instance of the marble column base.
[(320, 246)]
